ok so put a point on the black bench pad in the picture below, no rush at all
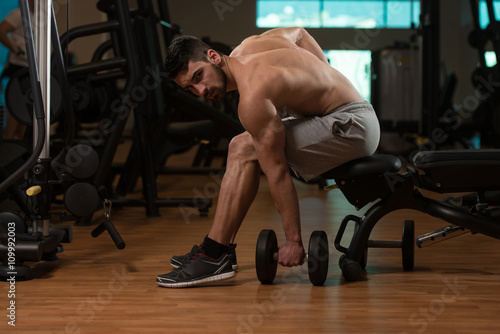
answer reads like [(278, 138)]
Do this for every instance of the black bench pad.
[(459, 170), (371, 165)]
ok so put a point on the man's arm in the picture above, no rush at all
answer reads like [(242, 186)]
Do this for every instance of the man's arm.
[(300, 37), (260, 119), (5, 29)]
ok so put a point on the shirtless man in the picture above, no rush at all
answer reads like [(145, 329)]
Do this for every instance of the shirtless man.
[(282, 72)]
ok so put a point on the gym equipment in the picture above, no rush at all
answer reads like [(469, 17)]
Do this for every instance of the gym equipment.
[(378, 177), (32, 237), (406, 244), (107, 225), (91, 100), (81, 199), (175, 121), (427, 104), (439, 235), (266, 257), (19, 98), (81, 161), (14, 154), (395, 89), (142, 92)]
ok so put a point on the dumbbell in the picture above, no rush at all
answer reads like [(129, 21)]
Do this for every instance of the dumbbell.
[(407, 245), (266, 257)]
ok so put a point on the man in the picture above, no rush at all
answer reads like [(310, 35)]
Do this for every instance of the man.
[(278, 73)]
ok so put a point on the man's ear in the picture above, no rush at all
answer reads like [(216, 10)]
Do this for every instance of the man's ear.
[(213, 56)]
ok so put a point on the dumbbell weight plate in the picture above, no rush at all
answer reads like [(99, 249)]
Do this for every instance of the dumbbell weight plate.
[(81, 199), (408, 244), (364, 259), (265, 263), (318, 256), (82, 161), (19, 98)]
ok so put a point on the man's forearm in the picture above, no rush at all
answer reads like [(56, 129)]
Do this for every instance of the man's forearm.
[(4, 39), (5, 29), (285, 198)]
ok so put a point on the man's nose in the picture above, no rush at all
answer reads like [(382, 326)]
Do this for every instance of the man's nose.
[(200, 89)]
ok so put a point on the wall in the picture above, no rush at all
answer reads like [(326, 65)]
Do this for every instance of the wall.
[(81, 12), (236, 20), (233, 23), (456, 53), (230, 21)]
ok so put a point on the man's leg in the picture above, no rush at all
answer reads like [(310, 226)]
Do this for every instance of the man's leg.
[(237, 192), (238, 189), (212, 261)]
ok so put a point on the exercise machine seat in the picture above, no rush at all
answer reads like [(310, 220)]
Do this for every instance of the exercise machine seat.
[(367, 173), (369, 165), (459, 170)]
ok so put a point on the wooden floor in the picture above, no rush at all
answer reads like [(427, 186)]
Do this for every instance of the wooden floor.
[(96, 288)]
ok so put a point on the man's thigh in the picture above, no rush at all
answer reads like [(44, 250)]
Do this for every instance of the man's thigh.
[(315, 145)]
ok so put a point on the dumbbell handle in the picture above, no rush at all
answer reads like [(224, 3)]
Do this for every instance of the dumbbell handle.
[(275, 257), (384, 244)]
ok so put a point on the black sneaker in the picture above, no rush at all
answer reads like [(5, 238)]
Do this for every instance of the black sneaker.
[(199, 269), (177, 260)]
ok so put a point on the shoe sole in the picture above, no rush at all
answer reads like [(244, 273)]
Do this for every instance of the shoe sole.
[(177, 265), (205, 280)]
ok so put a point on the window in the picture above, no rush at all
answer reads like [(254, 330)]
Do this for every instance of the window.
[(484, 20), (338, 13), (491, 58), (356, 66)]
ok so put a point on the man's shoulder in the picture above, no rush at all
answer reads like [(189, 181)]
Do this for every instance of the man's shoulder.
[(261, 43), (14, 17), (243, 48), (260, 82)]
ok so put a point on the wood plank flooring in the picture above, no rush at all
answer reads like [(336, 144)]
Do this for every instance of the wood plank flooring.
[(96, 288)]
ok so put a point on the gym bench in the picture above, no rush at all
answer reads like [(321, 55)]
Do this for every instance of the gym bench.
[(380, 177)]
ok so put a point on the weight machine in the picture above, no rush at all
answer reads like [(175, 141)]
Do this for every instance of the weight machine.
[(33, 238)]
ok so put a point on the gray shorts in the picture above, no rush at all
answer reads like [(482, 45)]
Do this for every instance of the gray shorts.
[(315, 145)]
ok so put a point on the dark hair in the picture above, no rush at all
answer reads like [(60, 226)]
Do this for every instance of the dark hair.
[(181, 50)]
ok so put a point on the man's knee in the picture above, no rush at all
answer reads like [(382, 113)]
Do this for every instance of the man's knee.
[(241, 147)]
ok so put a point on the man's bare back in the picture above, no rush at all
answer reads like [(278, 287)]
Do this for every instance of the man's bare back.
[(298, 83)]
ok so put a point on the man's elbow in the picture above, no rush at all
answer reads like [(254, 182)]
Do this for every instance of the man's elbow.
[(301, 32)]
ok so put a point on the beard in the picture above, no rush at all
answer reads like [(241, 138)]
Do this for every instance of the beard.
[(220, 91)]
